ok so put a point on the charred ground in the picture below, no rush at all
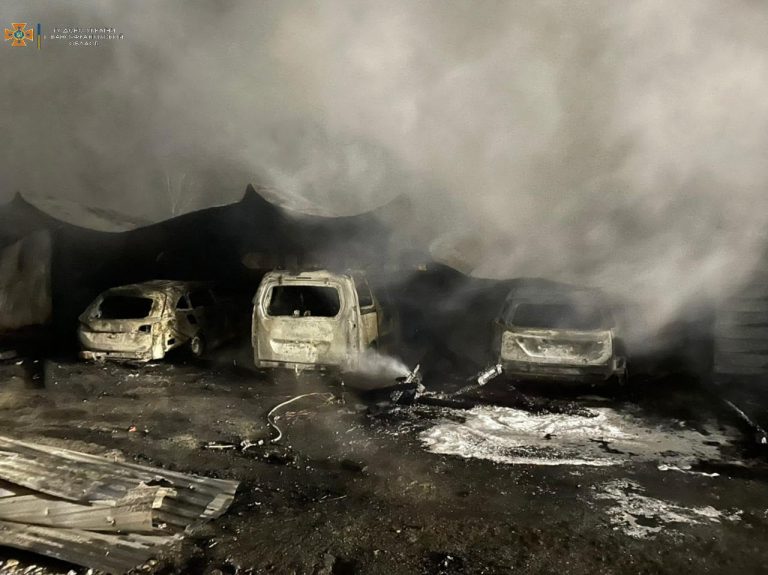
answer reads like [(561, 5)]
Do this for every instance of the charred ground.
[(351, 489)]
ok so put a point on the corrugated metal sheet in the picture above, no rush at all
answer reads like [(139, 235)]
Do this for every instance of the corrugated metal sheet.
[(107, 552), (80, 477), (71, 505), (135, 513)]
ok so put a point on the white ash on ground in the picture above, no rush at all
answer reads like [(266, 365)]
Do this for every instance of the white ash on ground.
[(610, 437), (643, 517)]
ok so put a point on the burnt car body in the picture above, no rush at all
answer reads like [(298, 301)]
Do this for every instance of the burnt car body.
[(557, 332), (145, 321), (317, 320)]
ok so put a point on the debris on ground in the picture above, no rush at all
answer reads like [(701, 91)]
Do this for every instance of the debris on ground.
[(91, 511), (489, 374), (405, 391), (410, 387), (241, 445), (441, 563), (222, 445)]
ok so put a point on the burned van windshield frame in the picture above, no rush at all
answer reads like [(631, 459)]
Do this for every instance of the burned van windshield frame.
[(303, 300)]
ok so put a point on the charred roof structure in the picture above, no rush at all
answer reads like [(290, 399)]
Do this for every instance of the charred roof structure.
[(66, 257)]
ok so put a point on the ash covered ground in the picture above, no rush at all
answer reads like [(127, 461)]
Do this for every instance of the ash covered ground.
[(656, 479)]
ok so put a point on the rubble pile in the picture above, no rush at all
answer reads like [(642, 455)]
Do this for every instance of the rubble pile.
[(108, 515)]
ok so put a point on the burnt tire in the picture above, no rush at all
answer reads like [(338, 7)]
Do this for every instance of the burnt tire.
[(197, 346)]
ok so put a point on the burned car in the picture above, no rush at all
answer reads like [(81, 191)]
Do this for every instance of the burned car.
[(551, 331), (317, 320), (145, 321)]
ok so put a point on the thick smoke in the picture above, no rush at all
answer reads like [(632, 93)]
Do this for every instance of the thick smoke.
[(615, 144)]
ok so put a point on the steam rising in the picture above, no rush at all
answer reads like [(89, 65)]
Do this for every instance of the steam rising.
[(620, 145), (375, 364)]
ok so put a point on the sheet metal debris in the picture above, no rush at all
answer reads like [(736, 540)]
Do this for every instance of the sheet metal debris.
[(103, 514), (134, 512), (107, 552)]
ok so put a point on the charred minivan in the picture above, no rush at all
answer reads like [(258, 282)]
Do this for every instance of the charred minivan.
[(143, 322), (316, 320), (557, 332)]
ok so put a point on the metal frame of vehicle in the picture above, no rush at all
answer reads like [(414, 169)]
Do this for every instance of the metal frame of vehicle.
[(559, 354), (313, 342), (142, 339)]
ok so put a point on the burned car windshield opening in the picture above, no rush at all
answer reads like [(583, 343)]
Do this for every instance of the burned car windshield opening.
[(558, 316), (304, 301), (125, 307)]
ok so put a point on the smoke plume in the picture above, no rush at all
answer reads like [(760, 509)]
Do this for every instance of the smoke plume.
[(615, 144)]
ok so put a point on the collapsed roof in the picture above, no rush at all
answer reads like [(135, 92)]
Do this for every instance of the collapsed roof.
[(261, 222)]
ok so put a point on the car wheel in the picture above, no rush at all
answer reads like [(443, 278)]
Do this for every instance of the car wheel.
[(623, 377), (197, 345)]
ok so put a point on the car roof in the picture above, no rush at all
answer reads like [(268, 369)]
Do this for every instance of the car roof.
[(161, 286), (310, 275)]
